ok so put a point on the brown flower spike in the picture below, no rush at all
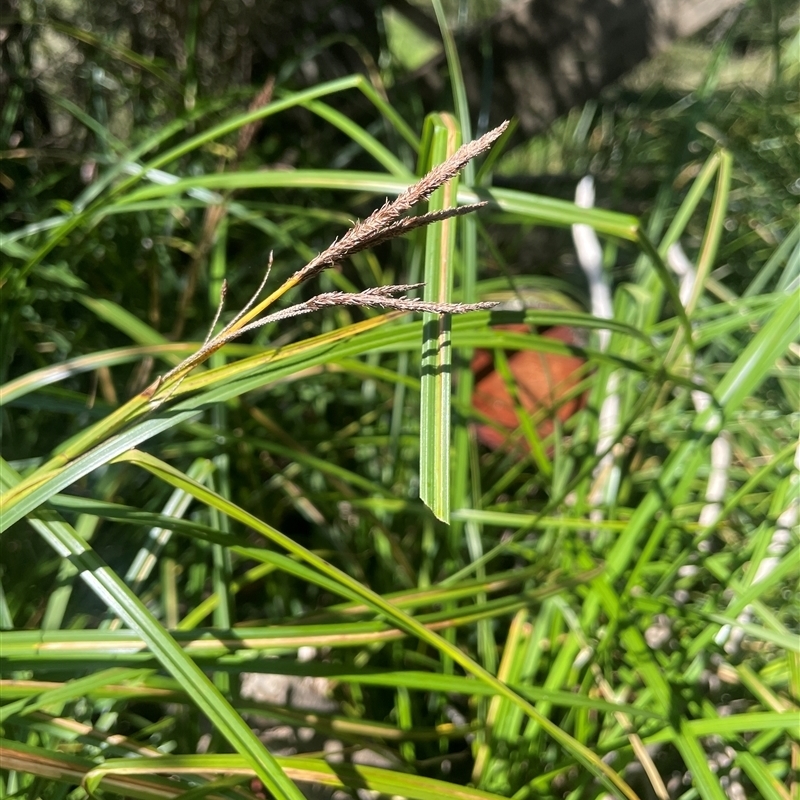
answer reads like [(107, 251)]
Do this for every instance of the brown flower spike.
[(387, 222)]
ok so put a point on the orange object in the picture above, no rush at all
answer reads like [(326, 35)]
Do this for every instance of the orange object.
[(543, 381)]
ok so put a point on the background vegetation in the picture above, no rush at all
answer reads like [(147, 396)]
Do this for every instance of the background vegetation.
[(586, 622)]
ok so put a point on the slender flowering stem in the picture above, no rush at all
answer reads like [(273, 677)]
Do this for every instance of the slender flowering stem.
[(387, 222)]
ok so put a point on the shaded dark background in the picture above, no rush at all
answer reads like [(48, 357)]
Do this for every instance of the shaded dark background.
[(534, 59)]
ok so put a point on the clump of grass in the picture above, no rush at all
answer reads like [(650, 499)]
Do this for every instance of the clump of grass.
[(607, 613)]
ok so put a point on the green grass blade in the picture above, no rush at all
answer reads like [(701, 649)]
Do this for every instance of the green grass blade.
[(380, 605), (690, 203), (70, 690), (696, 760), (113, 591), (754, 364), (779, 257), (218, 131), (767, 785), (520, 205), (457, 84), (114, 314), (713, 231), (441, 141), (37, 379), (381, 154)]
